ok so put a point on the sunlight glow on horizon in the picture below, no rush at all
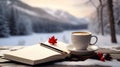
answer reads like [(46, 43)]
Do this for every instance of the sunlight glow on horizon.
[(71, 6)]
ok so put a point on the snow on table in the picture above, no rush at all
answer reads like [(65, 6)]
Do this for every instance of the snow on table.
[(88, 62), (113, 63)]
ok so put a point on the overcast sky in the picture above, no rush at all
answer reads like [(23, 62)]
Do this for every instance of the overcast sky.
[(75, 7)]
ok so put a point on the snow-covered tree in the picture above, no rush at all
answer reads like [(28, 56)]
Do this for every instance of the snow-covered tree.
[(94, 25), (4, 29), (23, 25)]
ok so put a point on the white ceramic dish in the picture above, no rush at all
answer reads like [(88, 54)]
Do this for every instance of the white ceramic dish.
[(91, 49)]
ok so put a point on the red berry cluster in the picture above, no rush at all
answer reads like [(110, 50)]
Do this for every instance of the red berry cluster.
[(103, 57)]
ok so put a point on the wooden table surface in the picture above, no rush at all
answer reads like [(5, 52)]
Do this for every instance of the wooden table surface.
[(114, 55)]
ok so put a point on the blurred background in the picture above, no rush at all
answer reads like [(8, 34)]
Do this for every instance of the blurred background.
[(28, 22)]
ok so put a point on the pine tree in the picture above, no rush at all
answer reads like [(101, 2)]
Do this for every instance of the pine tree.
[(4, 29), (12, 23)]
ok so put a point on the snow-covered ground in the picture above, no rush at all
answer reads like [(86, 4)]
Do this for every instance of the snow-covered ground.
[(103, 41), (86, 63), (42, 37)]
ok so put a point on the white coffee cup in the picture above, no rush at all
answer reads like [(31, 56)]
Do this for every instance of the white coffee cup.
[(81, 40)]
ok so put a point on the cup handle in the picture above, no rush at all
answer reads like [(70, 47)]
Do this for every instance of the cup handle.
[(95, 41)]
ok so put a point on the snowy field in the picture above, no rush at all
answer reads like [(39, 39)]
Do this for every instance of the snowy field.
[(42, 37)]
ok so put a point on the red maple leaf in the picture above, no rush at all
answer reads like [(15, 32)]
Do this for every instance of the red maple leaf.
[(52, 40)]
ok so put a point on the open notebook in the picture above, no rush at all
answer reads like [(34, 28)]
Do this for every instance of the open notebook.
[(39, 53)]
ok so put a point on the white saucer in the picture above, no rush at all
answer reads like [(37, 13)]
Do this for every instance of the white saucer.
[(88, 51)]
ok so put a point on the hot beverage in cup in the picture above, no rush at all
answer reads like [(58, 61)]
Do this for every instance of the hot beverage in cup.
[(81, 40)]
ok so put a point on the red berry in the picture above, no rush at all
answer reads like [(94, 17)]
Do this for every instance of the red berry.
[(100, 54), (102, 59)]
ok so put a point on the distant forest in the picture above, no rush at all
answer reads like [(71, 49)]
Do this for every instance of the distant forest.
[(18, 18)]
